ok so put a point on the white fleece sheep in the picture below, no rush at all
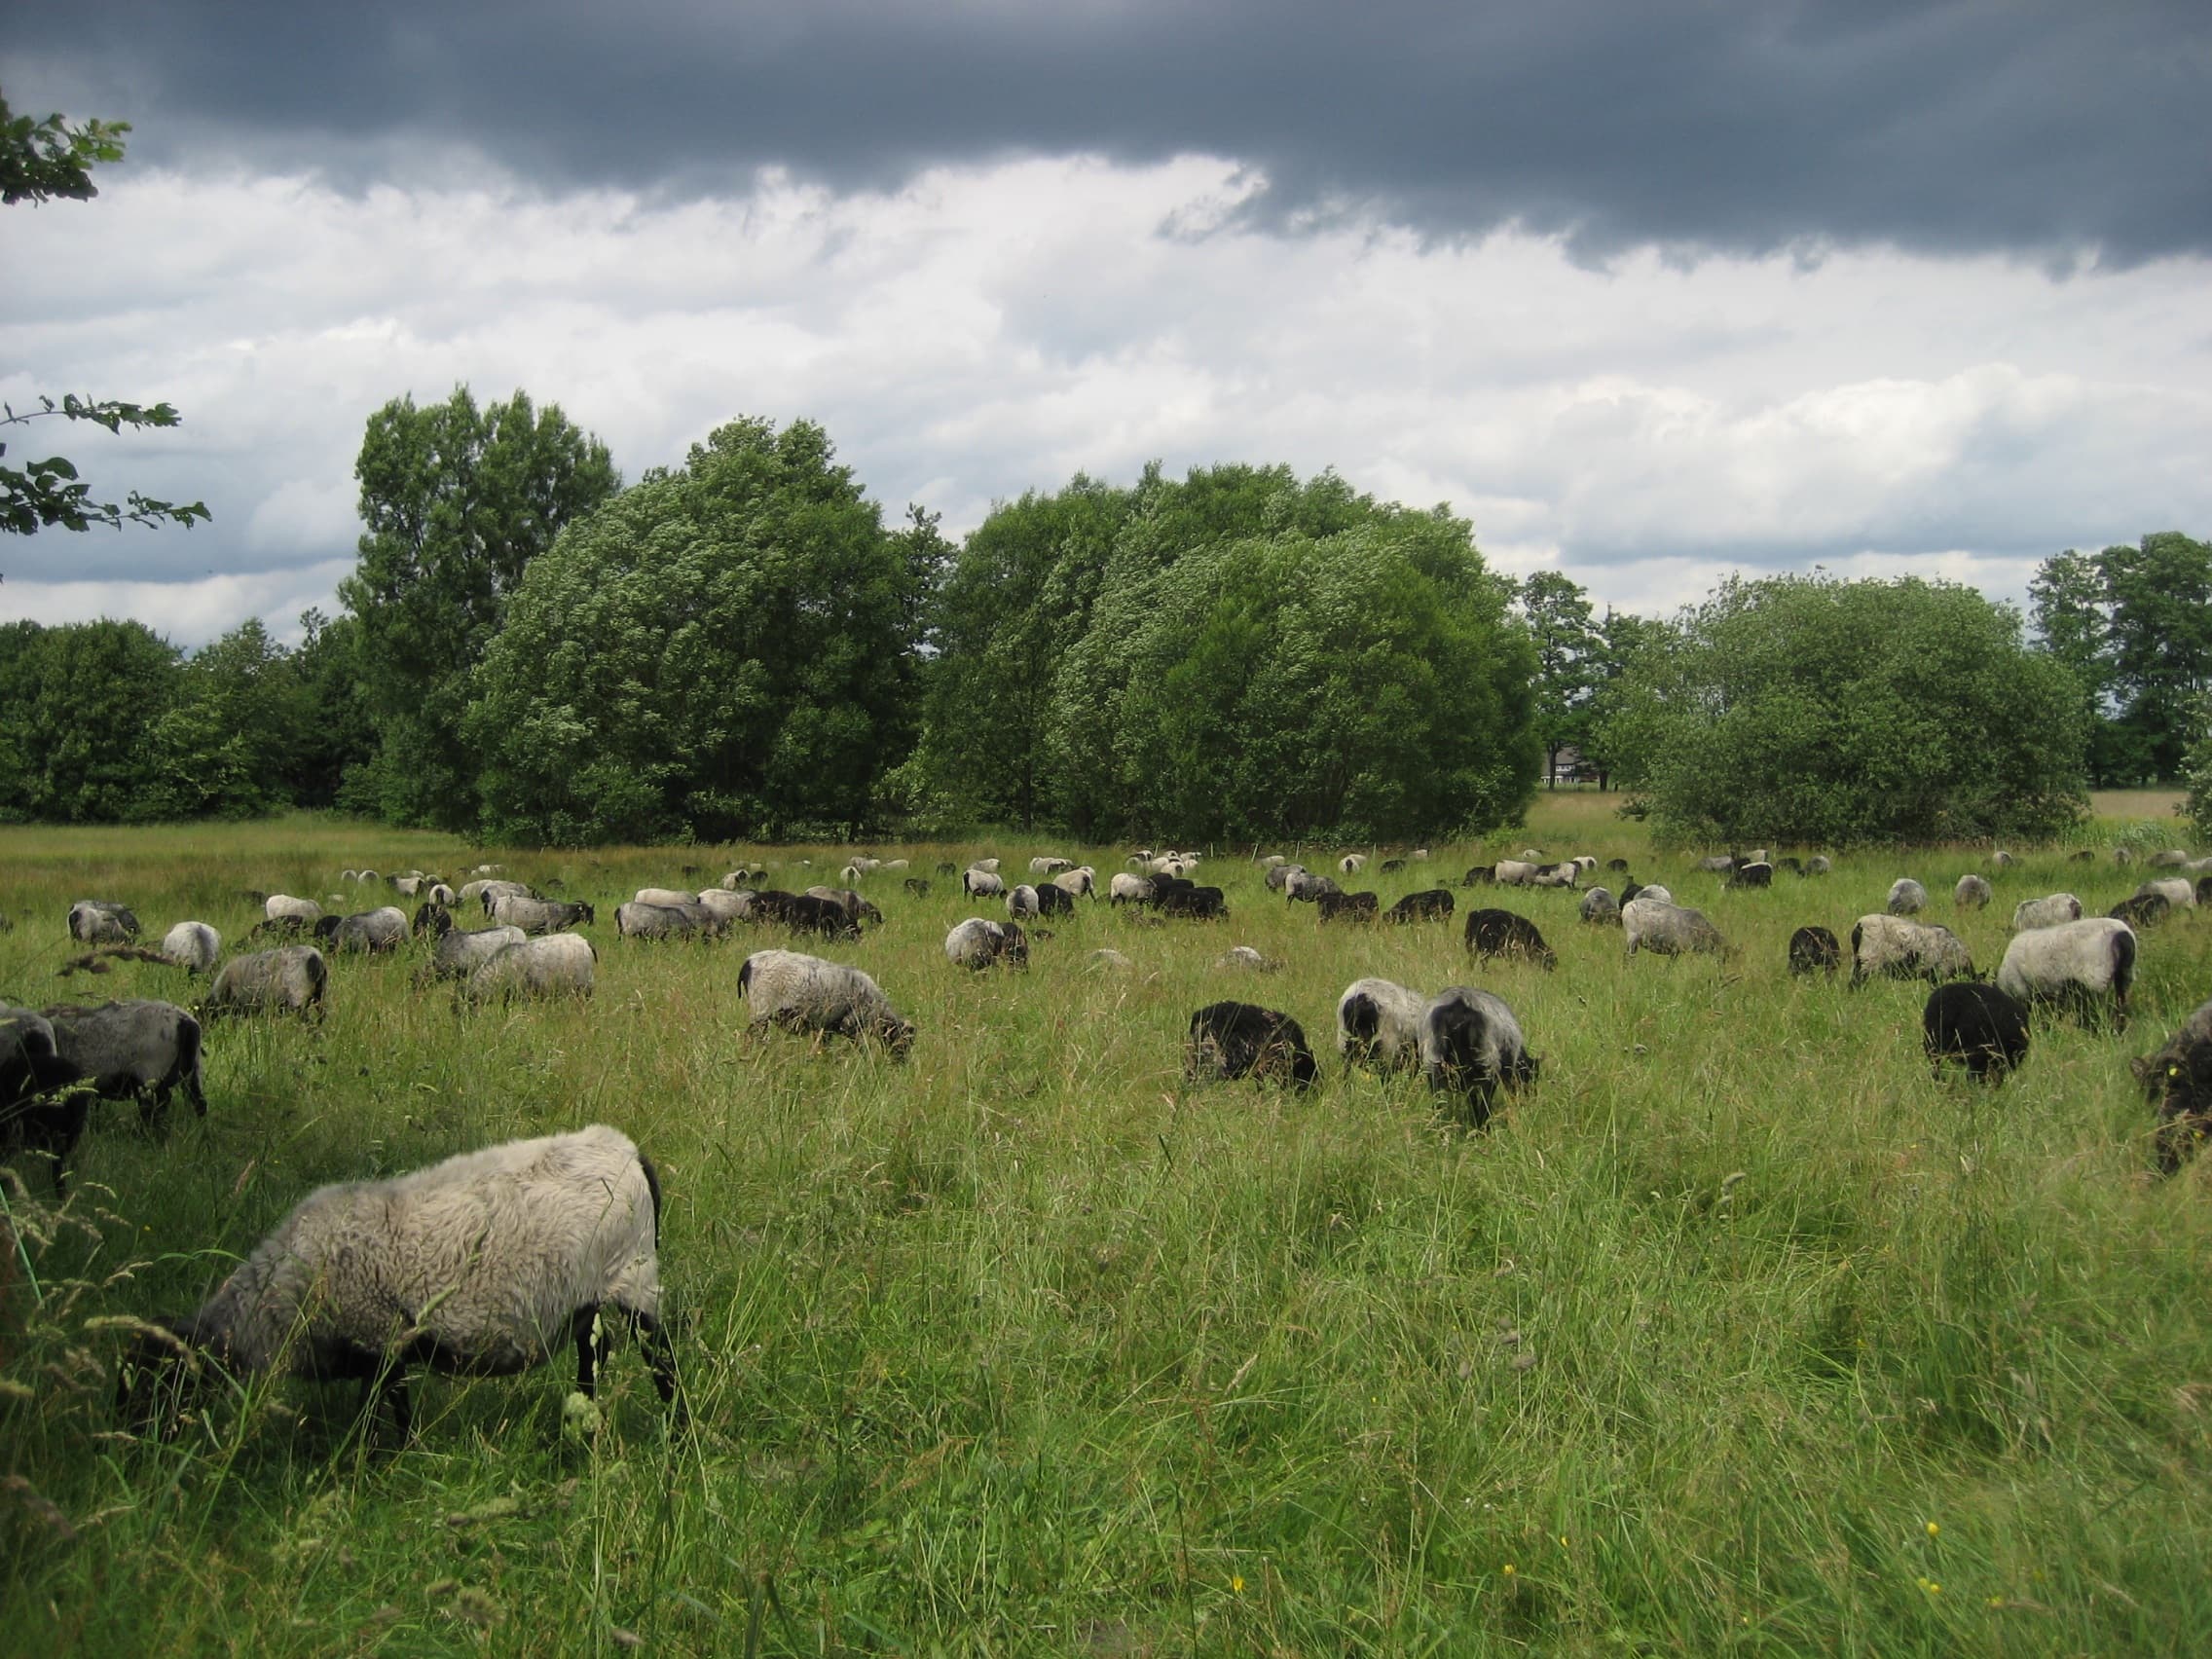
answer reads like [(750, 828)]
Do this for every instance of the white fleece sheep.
[(1971, 893), (1907, 897), (1900, 949), (2081, 964), (808, 993), (557, 965), (1378, 1024), (662, 896), (981, 884), (487, 1264), (284, 907), (978, 944), (2175, 889), (192, 947), (2046, 913), (1668, 929), (91, 922), (285, 980)]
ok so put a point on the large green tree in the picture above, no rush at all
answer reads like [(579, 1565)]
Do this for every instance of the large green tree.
[(1807, 710), (719, 652), (81, 699), (457, 502), (1569, 661)]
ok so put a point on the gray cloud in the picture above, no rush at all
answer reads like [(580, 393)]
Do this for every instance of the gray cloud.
[(2044, 128)]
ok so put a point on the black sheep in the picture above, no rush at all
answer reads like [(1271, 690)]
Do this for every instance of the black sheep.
[(1205, 903), (1751, 875), (32, 1114), (1234, 1038), (1480, 876), (1053, 900), (1502, 933), (2143, 910), (1346, 906), (1978, 1024), (1432, 905), (1814, 951)]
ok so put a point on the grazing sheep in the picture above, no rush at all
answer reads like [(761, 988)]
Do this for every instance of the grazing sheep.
[(2143, 910), (723, 904), (1814, 951), (133, 1050), (284, 907), (2167, 858), (1471, 1046), (1557, 876), (981, 884), (1022, 904), (1759, 874), (989, 866), (2122, 856), (744, 875), (1795, 867), (432, 920), (1278, 875), (192, 947), (1244, 956), (289, 980), (803, 913), (1898, 949), (1719, 864), (978, 944), (1378, 1024), (1971, 893), (1081, 882), (1514, 873), (490, 893), (1048, 865), (1230, 1040), (855, 907), (1303, 888), (636, 920), (555, 965), (1055, 900), (806, 993), (487, 1264), (663, 896), (1979, 1025), (916, 886), (1126, 889), (546, 915), (1668, 929), (2085, 855), (441, 894), (39, 1110), (458, 952), (1272, 861), (1391, 867), (2046, 912), (1600, 908), (2175, 889), (1432, 905), (1480, 876), (379, 930), (1818, 865), (2178, 1080), (2078, 965), (1502, 933), (1907, 897), (1351, 864), (1347, 906), (1203, 903), (100, 921)]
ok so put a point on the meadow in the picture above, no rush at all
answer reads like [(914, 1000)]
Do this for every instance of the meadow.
[(1738, 1333)]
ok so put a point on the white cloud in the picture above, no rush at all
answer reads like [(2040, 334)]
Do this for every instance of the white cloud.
[(989, 329)]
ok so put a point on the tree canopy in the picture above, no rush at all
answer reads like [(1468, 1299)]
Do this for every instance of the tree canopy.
[(1807, 710)]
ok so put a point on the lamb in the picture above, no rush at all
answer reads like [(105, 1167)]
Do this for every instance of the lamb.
[(982, 884), (2081, 965), (1378, 1024), (289, 980), (192, 947), (1470, 1047), (486, 1263), (542, 915), (1982, 1026), (1502, 933), (1899, 949), (1667, 929), (2046, 912), (1346, 906), (556, 965), (101, 921), (806, 993), (636, 920), (133, 1050), (38, 1108), (1432, 905), (978, 944), (284, 907), (1600, 908), (1230, 1040), (1126, 889), (1907, 897), (1971, 893), (1814, 951), (383, 929), (459, 954)]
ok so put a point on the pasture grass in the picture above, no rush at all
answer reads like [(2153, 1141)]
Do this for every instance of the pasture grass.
[(1737, 1333)]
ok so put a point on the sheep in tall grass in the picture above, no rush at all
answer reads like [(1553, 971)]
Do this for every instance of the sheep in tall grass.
[(1231, 1039), (1245, 957), (544, 915), (1278, 875), (803, 913), (1351, 864), (489, 893), (1814, 951), (982, 884), (725, 904), (289, 980), (2176, 890), (138, 1050), (2085, 966), (2178, 1080), (1668, 929), (1502, 933), (978, 944), (636, 920), (1514, 873), (2142, 911), (1600, 908), (806, 993), (285, 907), (1982, 1026), (101, 921), (1128, 889), (488, 1264), (379, 930), (855, 907), (663, 896), (1022, 904), (1907, 897), (1378, 1024), (1971, 893), (1471, 1046), (1303, 888), (1347, 906), (2046, 913), (460, 953), (1757, 873), (1893, 947), (553, 966), (1432, 905), (1081, 882), (40, 1111), (192, 946)]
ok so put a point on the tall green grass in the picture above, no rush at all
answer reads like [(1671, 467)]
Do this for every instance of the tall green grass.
[(1738, 1333)]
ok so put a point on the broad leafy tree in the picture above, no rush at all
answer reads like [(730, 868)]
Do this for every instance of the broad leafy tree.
[(1569, 661), (717, 653), (457, 502), (1805, 710), (80, 700), (1624, 638)]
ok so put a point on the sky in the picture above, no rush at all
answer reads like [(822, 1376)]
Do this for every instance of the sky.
[(1650, 291)]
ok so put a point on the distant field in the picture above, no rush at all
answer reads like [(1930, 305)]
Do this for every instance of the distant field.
[(1738, 1334)]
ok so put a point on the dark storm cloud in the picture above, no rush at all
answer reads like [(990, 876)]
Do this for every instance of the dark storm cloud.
[(2023, 126)]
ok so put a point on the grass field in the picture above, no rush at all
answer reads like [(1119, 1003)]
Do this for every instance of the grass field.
[(1737, 1333)]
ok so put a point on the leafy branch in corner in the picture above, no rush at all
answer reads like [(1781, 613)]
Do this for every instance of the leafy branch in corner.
[(49, 492)]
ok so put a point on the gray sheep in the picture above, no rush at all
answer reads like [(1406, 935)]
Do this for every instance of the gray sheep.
[(640, 920), (1971, 893), (1245, 957), (1907, 897), (978, 944), (1900, 949), (662, 896), (101, 921), (727, 904), (284, 907), (1668, 929), (380, 930), (1303, 888), (1471, 1046), (192, 947), (1022, 904), (289, 980), (39, 1109), (856, 908), (2176, 890), (1378, 1024), (807, 993), (487, 1264), (459, 953), (1600, 908), (1125, 889), (133, 1050), (2079, 965), (556, 965), (2046, 913), (540, 915), (981, 884)]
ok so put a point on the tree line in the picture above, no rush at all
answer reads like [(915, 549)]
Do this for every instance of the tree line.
[(741, 647)]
